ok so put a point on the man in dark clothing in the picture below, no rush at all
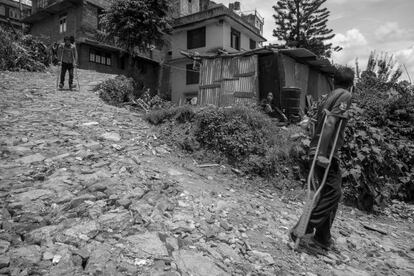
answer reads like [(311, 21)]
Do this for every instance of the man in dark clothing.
[(270, 108), (337, 105), (68, 56)]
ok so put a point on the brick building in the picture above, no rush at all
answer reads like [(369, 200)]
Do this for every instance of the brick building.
[(11, 11), (52, 20)]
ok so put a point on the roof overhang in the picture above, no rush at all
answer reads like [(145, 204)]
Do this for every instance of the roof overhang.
[(212, 15), (55, 7)]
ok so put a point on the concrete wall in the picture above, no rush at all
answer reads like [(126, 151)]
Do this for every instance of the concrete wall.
[(48, 28), (214, 39), (178, 81), (244, 37)]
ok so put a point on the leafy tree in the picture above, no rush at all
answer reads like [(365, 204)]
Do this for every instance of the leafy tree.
[(302, 23), (137, 24)]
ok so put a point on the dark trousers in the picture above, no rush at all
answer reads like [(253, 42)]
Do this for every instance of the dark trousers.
[(66, 67), (324, 212)]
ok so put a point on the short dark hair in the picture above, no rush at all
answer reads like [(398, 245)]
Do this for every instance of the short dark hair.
[(344, 76), (72, 39), (66, 38)]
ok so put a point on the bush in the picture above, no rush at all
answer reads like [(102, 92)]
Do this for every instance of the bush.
[(241, 136), (378, 166), (249, 139), (116, 91), (22, 52)]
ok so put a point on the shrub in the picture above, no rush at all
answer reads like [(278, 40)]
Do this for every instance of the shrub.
[(242, 136), (116, 91), (378, 166), (19, 52), (249, 139)]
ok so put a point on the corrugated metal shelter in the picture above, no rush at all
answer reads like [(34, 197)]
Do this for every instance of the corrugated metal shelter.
[(226, 81), (248, 77)]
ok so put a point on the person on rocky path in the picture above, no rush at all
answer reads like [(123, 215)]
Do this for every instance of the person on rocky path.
[(68, 56), (337, 103)]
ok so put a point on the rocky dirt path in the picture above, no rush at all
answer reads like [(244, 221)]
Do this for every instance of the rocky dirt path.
[(89, 189)]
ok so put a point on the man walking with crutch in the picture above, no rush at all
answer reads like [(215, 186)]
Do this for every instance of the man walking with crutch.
[(68, 56), (332, 116)]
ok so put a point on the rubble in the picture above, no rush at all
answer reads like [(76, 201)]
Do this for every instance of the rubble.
[(90, 191)]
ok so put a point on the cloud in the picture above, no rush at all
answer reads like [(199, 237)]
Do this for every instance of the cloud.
[(350, 39), (358, 1), (354, 45), (390, 31), (406, 57)]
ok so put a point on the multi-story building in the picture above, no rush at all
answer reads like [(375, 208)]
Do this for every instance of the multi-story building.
[(11, 13), (205, 27), (52, 20)]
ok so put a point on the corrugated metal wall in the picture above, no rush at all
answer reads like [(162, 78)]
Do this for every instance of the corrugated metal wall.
[(229, 80)]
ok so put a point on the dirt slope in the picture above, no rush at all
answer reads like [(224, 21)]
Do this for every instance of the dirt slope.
[(89, 189)]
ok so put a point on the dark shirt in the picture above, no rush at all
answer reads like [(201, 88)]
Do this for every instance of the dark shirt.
[(337, 103)]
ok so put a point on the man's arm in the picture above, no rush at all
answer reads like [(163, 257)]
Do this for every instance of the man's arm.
[(327, 134)]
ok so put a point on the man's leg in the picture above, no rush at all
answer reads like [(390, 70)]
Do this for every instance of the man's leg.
[(324, 212), (63, 73)]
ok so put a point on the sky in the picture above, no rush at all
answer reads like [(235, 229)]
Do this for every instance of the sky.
[(361, 26)]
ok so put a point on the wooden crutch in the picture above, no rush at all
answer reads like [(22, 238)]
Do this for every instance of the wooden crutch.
[(312, 195)]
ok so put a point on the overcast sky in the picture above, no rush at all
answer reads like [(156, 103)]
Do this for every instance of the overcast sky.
[(360, 26)]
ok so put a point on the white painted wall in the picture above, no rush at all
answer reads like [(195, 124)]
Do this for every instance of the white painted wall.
[(217, 36)]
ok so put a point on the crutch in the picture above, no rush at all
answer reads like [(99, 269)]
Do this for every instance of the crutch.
[(60, 71), (77, 76), (312, 195)]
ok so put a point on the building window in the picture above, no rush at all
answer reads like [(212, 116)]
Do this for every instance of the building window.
[(192, 76), (14, 13), (100, 57), (196, 38), (252, 44), (62, 24), (2, 10), (235, 39), (41, 3)]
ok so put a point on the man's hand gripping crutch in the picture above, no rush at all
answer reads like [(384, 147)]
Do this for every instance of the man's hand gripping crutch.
[(313, 191)]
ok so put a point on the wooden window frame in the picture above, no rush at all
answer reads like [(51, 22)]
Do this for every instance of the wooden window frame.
[(63, 23), (252, 46), (236, 44), (192, 36), (100, 57), (191, 76)]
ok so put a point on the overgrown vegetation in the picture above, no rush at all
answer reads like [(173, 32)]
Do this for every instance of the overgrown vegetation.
[(123, 90), (21, 52), (241, 136), (117, 91)]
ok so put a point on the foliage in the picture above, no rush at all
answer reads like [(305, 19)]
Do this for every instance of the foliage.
[(116, 91), (378, 166), (137, 24), (22, 52), (302, 23), (245, 137)]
